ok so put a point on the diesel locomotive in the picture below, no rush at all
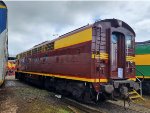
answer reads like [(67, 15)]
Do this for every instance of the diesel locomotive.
[(3, 42), (90, 63), (142, 51)]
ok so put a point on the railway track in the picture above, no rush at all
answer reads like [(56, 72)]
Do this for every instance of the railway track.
[(106, 107), (137, 108), (72, 104)]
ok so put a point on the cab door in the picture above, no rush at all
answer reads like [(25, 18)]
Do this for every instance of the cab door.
[(117, 55)]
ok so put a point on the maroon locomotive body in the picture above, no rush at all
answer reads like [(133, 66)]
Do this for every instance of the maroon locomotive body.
[(91, 61)]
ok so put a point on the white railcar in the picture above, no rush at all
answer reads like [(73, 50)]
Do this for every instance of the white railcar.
[(3, 42)]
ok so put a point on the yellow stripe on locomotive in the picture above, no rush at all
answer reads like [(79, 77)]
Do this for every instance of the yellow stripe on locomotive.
[(79, 37), (2, 6)]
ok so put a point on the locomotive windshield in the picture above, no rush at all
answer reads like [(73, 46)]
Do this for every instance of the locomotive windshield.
[(113, 51), (128, 41)]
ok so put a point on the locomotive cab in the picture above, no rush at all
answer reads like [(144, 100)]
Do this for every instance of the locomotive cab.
[(113, 49)]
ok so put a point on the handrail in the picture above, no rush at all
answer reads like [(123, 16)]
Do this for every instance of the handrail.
[(140, 81), (139, 72), (140, 85)]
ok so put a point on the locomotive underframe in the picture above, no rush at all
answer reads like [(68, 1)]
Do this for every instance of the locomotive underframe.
[(146, 86), (82, 91), (79, 90)]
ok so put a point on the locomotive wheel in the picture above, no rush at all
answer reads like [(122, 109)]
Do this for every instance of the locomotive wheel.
[(77, 94), (87, 97), (46, 84)]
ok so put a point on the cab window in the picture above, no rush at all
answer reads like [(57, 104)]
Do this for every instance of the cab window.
[(128, 41)]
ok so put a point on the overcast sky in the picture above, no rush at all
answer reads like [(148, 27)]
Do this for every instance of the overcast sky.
[(30, 23)]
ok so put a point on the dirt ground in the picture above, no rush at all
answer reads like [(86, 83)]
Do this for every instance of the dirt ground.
[(17, 97)]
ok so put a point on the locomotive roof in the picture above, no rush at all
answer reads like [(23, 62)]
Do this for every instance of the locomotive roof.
[(2, 3), (143, 43), (142, 47), (62, 36), (114, 23)]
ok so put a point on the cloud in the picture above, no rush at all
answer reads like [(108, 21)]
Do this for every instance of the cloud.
[(143, 25), (32, 22)]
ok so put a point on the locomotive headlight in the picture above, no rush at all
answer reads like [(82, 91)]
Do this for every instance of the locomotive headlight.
[(120, 23)]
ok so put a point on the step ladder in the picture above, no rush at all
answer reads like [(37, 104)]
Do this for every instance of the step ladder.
[(96, 43), (98, 48), (134, 96)]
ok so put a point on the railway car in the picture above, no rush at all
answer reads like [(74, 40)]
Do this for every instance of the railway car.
[(90, 63), (11, 66), (143, 64), (3, 42)]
